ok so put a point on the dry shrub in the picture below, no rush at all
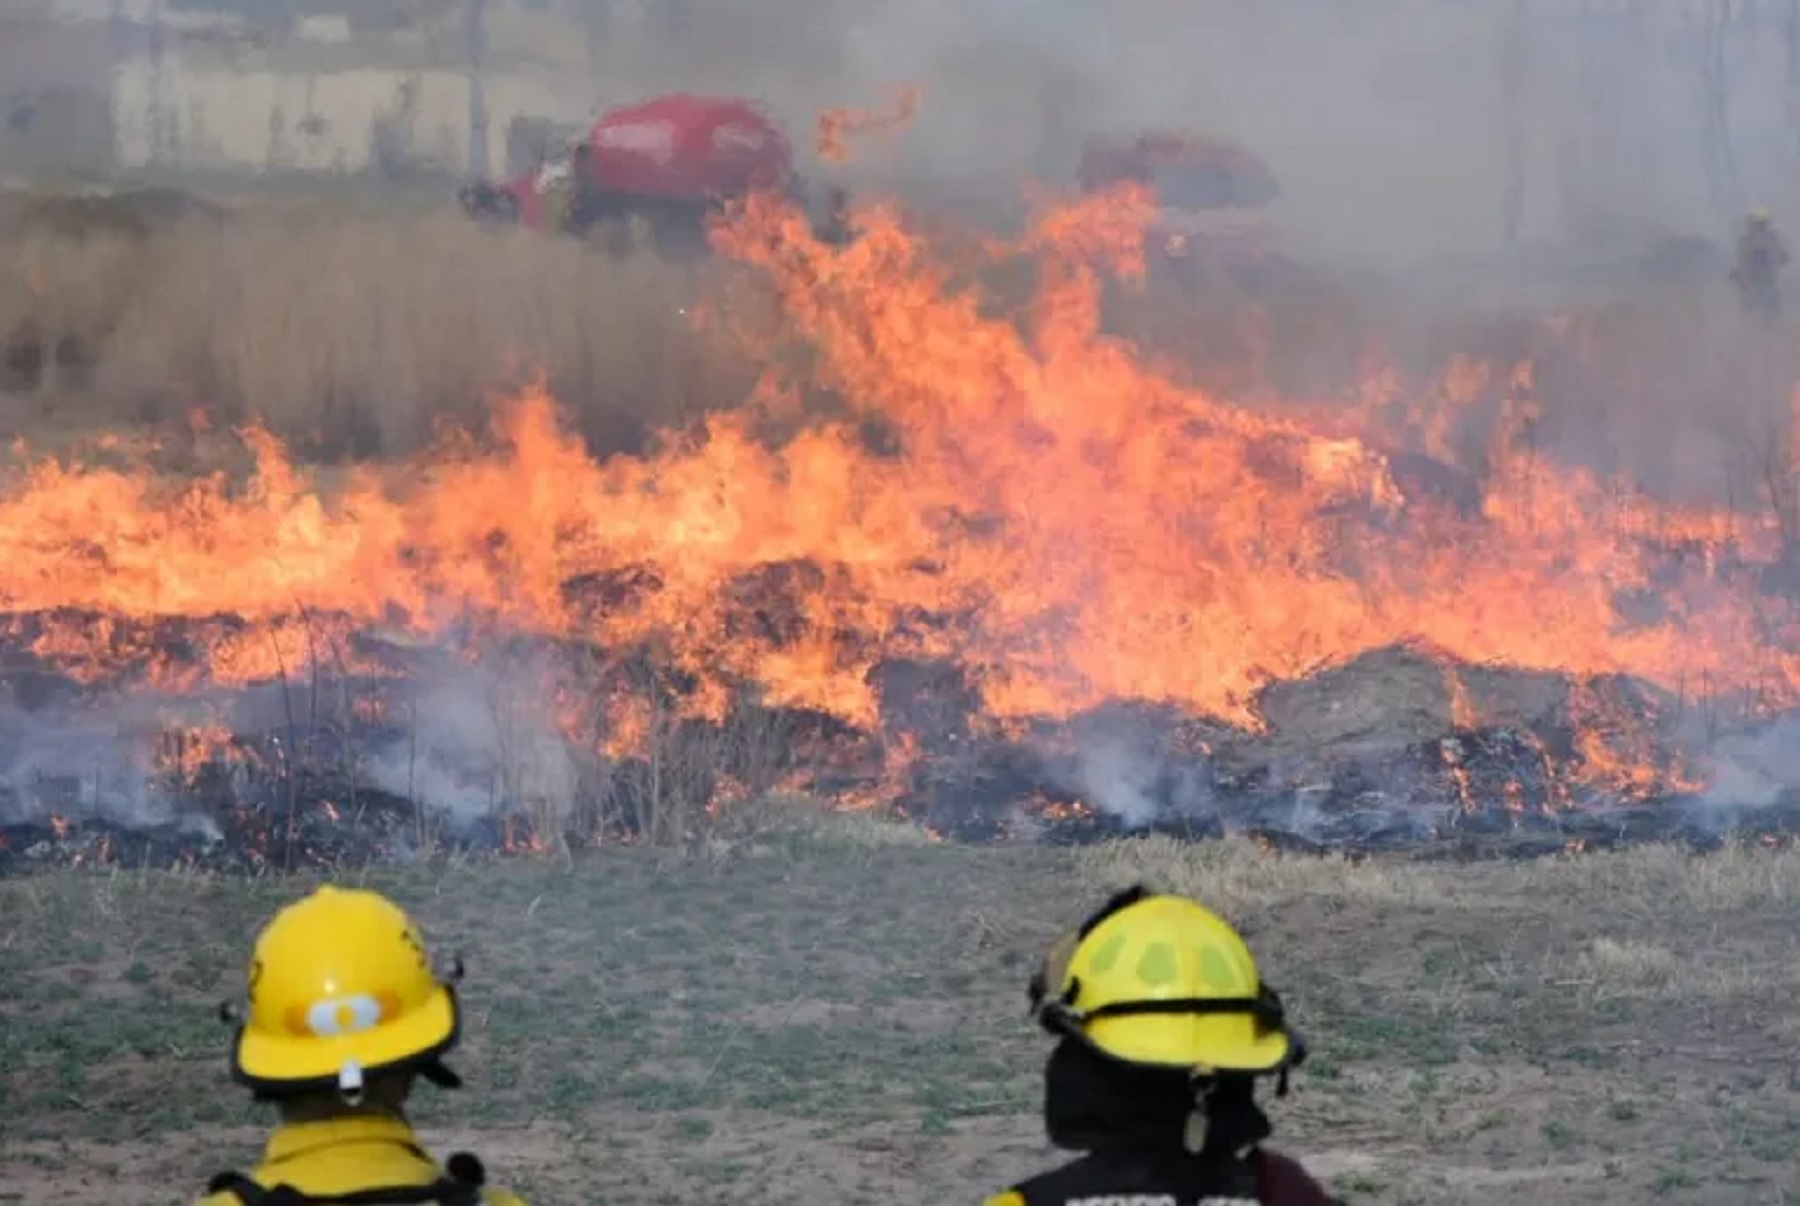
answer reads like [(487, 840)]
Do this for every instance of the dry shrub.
[(352, 331), (1651, 879), (1629, 961), (750, 824), (74, 263), (489, 743)]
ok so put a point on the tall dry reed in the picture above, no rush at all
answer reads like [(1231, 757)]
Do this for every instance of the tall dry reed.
[(357, 332)]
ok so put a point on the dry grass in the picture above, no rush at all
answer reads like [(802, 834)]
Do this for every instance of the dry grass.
[(1651, 922), (1241, 876), (353, 331), (832, 1001), (355, 327), (782, 814)]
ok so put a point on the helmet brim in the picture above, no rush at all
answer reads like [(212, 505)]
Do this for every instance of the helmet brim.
[(1203, 1043), (282, 1062)]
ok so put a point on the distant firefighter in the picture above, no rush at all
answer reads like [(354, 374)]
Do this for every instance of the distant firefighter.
[(834, 229), (1761, 255)]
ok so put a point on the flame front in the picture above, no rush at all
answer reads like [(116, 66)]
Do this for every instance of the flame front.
[(1045, 509)]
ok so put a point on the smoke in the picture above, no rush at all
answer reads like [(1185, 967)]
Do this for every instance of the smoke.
[(78, 762), (462, 740), (1405, 130), (114, 757), (478, 736), (1121, 781), (1451, 173), (1757, 769), (1121, 764)]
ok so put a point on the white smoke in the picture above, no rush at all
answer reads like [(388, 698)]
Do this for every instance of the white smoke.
[(84, 761), (1754, 769), (474, 738), (1404, 132), (1119, 766), (1120, 780), (479, 738)]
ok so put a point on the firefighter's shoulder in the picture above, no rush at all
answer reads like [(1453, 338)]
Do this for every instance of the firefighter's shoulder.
[(490, 1196), (1285, 1180)]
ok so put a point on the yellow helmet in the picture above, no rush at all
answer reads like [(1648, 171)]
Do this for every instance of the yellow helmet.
[(339, 987), (1163, 981), (1760, 215)]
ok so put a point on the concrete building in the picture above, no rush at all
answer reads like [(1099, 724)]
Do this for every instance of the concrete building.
[(56, 98), (101, 87)]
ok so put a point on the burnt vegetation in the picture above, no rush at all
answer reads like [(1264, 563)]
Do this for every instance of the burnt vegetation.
[(332, 760), (326, 767)]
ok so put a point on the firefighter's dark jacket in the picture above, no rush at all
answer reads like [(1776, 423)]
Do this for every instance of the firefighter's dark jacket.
[(1760, 251), (1135, 1131), (1173, 1179)]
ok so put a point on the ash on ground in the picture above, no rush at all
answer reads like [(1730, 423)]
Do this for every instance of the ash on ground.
[(1399, 750)]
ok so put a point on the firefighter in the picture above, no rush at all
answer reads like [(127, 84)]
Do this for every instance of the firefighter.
[(584, 191), (834, 229), (555, 185), (1163, 1026), (345, 1011), (1761, 255)]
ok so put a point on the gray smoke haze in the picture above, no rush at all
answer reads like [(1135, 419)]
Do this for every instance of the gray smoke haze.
[(480, 736), (1398, 129), (473, 739), (1403, 132), (68, 761), (1755, 769), (1119, 762)]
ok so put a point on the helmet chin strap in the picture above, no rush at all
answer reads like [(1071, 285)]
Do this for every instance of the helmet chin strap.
[(1193, 1134), (1198, 1127), (1229, 1123)]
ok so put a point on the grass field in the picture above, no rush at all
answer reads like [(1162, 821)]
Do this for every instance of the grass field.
[(838, 1014)]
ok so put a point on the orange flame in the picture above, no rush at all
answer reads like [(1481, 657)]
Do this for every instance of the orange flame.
[(897, 760), (185, 753), (1063, 520), (838, 126)]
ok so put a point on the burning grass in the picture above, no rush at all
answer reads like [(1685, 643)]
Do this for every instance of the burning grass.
[(975, 559), (804, 1010)]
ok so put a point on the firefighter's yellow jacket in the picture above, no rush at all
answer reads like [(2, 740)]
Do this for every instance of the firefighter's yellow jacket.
[(342, 1155)]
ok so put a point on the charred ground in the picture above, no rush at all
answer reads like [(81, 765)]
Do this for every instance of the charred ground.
[(334, 771), (792, 1015)]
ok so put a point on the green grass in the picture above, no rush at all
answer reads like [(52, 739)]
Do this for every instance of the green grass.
[(836, 1017)]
